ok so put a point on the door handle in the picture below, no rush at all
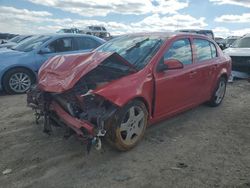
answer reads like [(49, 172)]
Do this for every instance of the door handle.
[(192, 73)]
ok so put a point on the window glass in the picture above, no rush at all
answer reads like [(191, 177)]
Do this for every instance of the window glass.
[(242, 43), (15, 39), (213, 50), (32, 43), (85, 43), (61, 45), (137, 50), (97, 28), (180, 50), (205, 49)]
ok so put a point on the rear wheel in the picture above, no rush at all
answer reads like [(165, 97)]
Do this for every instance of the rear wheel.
[(129, 126), (17, 81), (219, 92)]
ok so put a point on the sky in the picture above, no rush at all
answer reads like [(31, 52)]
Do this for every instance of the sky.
[(224, 17)]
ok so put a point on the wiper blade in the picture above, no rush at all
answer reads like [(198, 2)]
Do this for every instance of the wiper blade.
[(149, 53), (137, 45)]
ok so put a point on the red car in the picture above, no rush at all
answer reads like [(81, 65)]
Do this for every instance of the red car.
[(128, 83)]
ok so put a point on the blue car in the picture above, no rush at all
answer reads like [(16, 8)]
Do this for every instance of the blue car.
[(19, 65)]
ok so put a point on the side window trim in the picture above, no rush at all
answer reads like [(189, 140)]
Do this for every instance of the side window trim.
[(216, 53)]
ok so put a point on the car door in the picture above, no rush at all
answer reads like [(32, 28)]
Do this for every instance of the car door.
[(60, 46), (206, 65), (176, 89), (85, 44)]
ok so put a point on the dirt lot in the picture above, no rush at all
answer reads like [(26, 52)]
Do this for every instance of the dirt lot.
[(204, 147)]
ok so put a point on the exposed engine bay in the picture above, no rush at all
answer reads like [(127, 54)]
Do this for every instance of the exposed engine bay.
[(80, 102)]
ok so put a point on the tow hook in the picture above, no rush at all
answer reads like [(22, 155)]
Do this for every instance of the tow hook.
[(96, 142)]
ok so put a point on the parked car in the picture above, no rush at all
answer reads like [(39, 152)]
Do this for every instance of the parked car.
[(14, 41), (220, 42), (208, 33), (20, 64), (98, 31), (228, 42), (71, 30), (130, 82), (240, 54), (6, 36)]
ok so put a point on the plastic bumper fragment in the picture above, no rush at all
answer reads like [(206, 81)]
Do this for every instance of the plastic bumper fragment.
[(76, 124)]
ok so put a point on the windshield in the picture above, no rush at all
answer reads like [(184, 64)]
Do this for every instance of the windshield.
[(242, 43), (137, 50), (31, 44), (15, 39), (230, 41)]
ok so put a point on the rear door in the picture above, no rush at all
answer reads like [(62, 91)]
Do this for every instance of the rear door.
[(85, 44), (176, 90), (206, 60)]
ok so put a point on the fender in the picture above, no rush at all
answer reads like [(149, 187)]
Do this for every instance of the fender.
[(6, 69), (121, 91)]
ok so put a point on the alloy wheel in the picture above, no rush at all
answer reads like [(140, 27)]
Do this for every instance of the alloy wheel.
[(132, 125), (220, 92), (20, 82)]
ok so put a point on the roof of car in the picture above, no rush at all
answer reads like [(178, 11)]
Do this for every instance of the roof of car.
[(246, 35), (165, 34), (65, 35), (195, 30)]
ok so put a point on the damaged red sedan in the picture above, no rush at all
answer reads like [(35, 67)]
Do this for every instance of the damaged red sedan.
[(128, 83)]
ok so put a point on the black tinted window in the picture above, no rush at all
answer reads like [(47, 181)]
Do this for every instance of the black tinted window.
[(61, 45), (97, 28), (180, 50), (85, 43), (205, 49)]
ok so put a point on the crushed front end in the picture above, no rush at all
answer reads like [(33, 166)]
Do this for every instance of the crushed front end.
[(78, 109), (83, 114)]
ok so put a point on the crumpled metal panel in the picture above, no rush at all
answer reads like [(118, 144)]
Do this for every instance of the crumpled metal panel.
[(61, 73)]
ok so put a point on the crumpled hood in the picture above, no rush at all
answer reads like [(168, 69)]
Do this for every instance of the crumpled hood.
[(61, 73), (237, 51)]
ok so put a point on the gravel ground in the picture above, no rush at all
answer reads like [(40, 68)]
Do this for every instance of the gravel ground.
[(204, 147)]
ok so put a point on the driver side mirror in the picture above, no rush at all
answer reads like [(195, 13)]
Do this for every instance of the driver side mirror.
[(44, 51), (173, 64), (170, 64)]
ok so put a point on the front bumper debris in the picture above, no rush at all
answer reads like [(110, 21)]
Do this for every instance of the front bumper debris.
[(57, 112), (74, 123)]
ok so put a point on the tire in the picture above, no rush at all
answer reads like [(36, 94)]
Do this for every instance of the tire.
[(128, 125), (18, 81), (219, 92)]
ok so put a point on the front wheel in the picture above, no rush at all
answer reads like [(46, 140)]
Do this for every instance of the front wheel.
[(219, 92), (129, 126), (17, 81)]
